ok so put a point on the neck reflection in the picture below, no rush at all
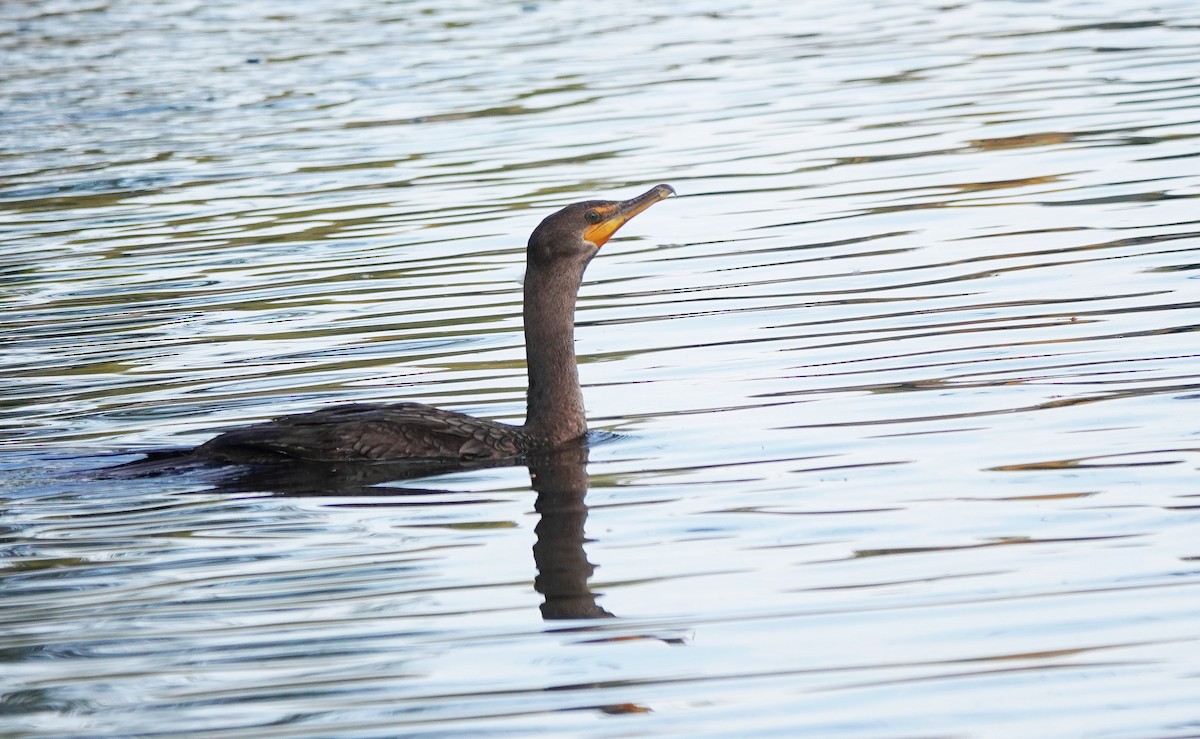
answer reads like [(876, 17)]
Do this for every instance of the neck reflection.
[(560, 479), (561, 482)]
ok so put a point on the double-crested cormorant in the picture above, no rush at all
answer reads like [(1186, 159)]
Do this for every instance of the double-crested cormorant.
[(559, 250)]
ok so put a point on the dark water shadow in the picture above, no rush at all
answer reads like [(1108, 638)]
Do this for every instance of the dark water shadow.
[(561, 482), (559, 478)]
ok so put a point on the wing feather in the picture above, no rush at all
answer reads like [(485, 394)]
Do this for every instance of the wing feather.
[(366, 433)]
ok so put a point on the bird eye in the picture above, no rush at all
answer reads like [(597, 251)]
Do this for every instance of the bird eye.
[(592, 216)]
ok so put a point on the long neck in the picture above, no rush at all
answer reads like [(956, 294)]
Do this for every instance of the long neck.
[(555, 413)]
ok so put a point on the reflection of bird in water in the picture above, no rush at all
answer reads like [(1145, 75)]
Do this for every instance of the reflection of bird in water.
[(561, 481), (433, 439)]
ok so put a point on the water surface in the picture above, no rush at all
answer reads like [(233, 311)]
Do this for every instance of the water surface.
[(895, 404)]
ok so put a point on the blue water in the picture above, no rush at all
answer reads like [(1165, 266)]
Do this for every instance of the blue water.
[(894, 405)]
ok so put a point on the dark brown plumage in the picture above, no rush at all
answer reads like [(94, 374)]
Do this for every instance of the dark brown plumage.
[(559, 250)]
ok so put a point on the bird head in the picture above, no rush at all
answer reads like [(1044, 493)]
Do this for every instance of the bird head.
[(579, 230)]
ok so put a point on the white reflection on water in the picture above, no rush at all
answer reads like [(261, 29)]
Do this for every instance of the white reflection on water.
[(901, 386)]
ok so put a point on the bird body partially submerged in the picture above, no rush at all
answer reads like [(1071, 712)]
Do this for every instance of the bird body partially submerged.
[(558, 253), (366, 432)]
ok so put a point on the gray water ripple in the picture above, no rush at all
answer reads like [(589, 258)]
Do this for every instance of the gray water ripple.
[(893, 402)]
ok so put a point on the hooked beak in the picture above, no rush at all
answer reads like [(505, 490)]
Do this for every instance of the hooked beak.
[(615, 215)]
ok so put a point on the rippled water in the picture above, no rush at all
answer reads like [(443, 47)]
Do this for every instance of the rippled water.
[(897, 401)]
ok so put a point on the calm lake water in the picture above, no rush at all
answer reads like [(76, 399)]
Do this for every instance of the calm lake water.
[(896, 405)]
